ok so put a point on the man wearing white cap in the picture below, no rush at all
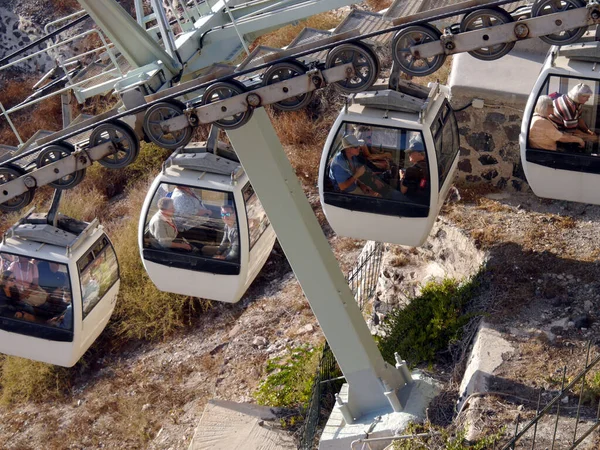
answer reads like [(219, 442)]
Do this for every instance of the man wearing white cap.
[(346, 170)]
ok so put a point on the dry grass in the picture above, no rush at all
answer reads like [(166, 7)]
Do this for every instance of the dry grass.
[(489, 205), (378, 5), (399, 260), (440, 76), (283, 36), (23, 381), (471, 193), (64, 6), (43, 116), (303, 139)]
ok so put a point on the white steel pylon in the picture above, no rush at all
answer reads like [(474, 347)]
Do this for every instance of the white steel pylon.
[(373, 383)]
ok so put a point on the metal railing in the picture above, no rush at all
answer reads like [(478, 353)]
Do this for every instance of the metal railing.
[(326, 384), (105, 46), (362, 280), (521, 435)]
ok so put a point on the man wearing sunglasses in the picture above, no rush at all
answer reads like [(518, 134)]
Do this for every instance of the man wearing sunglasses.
[(229, 250)]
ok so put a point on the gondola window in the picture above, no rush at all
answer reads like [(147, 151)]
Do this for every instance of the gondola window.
[(370, 168), (35, 297)]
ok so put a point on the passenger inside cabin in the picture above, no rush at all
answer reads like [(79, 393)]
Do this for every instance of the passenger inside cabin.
[(346, 170), (50, 276), (414, 179), (26, 274), (543, 132), (229, 249), (190, 213), (569, 107), (64, 320), (10, 299), (376, 159), (162, 227)]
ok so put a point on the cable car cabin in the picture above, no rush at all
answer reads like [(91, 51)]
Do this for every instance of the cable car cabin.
[(58, 288), (388, 164), (203, 231), (559, 138)]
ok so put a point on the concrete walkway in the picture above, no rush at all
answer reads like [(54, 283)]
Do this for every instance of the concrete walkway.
[(229, 426)]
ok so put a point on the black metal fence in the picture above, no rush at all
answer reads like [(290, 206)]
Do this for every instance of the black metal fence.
[(362, 280), (586, 420)]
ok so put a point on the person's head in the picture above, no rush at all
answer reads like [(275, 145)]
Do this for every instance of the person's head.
[(166, 206), (9, 284), (228, 215), (185, 189), (23, 260), (351, 145), (416, 150), (580, 93), (365, 134), (544, 106), (54, 267)]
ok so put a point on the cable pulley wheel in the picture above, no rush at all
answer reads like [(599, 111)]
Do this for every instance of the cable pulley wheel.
[(126, 146), (54, 153), (414, 65), (284, 71), (364, 61), (544, 7), (222, 91), (170, 140), (8, 173), (486, 18)]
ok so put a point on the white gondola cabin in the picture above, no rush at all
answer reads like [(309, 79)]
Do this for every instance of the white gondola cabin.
[(565, 170), (388, 164), (58, 288), (203, 231)]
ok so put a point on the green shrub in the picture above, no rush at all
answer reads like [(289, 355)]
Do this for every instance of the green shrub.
[(290, 379), (429, 323)]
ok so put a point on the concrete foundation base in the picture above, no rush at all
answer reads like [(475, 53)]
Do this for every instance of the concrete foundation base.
[(383, 423)]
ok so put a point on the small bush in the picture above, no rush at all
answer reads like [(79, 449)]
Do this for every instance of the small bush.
[(290, 379), (429, 323)]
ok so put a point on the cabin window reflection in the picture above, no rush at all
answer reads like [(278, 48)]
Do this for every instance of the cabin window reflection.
[(35, 291), (258, 221), (98, 272), (565, 117), (195, 222), (376, 162), (444, 130)]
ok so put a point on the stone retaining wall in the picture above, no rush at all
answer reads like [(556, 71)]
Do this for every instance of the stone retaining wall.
[(489, 146)]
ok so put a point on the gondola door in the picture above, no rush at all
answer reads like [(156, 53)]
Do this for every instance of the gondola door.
[(98, 273)]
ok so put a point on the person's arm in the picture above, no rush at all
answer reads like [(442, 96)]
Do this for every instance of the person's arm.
[(224, 243), (566, 137), (234, 248), (359, 172), (583, 127)]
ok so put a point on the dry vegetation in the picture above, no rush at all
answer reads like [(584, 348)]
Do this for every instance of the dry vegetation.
[(44, 116), (283, 36)]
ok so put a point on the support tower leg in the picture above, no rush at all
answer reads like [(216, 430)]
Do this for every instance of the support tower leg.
[(373, 383)]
